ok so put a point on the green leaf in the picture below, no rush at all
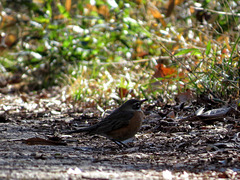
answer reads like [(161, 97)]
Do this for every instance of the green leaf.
[(63, 11), (233, 49), (197, 52), (208, 48), (194, 51), (49, 8), (41, 19), (66, 43)]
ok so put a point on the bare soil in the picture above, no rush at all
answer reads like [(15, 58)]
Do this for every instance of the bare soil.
[(165, 148)]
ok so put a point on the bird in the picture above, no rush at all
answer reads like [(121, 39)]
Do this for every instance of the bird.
[(122, 124)]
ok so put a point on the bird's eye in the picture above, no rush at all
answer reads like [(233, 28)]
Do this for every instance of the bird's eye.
[(136, 106)]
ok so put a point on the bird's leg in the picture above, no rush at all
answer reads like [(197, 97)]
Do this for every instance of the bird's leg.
[(120, 144)]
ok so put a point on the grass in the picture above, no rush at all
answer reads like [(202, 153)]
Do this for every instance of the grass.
[(130, 51), (212, 70), (110, 81)]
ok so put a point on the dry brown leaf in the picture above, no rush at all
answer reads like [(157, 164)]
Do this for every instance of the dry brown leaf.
[(138, 1), (7, 20), (142, 54), (10, 40), (122, 92), (90, 7), (60, 16), (3, 81), (41, 141), (185, 96), (171, 115), (171, 4), (170, 7), (15, 78), (24, 97), (7, 41)]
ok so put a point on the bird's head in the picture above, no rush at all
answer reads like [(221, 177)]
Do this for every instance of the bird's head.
[(132, 105)]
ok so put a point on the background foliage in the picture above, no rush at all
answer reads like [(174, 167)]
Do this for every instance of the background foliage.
[(121, 49)]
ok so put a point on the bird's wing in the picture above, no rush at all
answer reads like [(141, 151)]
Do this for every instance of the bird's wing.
[(115, 120)]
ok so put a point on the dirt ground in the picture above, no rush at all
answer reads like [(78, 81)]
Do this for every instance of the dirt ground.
[(33, 144)]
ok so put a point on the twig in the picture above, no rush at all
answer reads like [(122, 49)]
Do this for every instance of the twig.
[(218, 12)]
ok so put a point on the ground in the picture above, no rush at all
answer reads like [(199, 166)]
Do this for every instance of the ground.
[(34, 145)]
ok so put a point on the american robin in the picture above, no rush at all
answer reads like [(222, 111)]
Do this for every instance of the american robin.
[(122, 124)]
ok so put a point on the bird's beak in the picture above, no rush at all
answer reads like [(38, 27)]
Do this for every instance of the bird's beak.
[(142, 101)]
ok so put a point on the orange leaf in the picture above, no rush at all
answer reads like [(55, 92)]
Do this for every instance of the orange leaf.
[(7, 41), (192, 9), (7, 20), (181, 74), (157, 14), (90, 7), (226, 39), (163, 71), (103, 10), (226, 51), (10, 39), (177, 2), (142, 54), (60, 16), (68, 4)]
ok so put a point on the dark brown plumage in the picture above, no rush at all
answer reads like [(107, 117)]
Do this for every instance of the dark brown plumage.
[(122, 124)]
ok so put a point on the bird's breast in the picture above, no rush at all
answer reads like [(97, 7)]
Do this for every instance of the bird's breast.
[(130, 130)]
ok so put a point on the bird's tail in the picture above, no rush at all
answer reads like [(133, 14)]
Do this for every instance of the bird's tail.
[(87, 130)]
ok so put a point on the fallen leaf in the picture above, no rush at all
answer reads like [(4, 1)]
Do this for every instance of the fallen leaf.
[(216, 112), (103, 10), (157, 14), (122, 92), (41, 141), (162, 71), (171, 115), (185, 96)]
